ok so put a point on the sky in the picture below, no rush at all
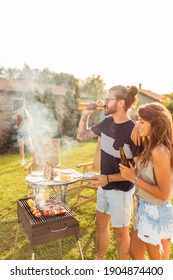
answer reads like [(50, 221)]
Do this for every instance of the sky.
[(124, 41)]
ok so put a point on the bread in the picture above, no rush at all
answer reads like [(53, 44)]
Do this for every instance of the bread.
[(64, 177)]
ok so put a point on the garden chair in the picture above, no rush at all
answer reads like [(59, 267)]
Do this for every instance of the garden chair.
[(84, 184), (45, 150)]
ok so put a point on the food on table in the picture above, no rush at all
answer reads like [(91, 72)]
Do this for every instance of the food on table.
[(64, 177)]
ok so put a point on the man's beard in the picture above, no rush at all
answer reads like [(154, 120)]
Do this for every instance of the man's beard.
[(110, 110)]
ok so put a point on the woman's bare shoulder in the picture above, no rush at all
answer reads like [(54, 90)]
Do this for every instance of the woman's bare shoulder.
[(160, 151)]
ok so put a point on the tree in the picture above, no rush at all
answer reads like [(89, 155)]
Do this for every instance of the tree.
[(46, 76), (94, 87), (26, 73), (11, 73), (168, 102), (71, 115), (2, 71)]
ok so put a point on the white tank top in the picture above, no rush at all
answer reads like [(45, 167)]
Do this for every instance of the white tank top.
[(147, 174)]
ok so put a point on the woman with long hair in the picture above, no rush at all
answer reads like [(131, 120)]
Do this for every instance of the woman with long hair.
[(23, 121), (153, 212)]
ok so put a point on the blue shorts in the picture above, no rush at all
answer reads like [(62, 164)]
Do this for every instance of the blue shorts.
[(22, 135), (154, 223), (116, 203)]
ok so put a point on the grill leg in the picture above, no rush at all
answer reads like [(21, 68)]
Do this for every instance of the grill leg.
[(65, 192), (16, 239), (80, 249), (33, 254), (60, 246)]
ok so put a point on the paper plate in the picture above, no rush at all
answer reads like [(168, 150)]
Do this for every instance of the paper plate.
[(37, 173), (68, 171), (77, 175), (88, 175)]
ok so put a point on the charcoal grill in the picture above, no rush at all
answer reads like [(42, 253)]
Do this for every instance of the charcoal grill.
[(45, 229)]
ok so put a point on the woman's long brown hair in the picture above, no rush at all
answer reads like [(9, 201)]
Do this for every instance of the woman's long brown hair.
[(161, 129)]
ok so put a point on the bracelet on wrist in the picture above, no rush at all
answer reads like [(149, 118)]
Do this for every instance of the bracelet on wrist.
[(135, 179)]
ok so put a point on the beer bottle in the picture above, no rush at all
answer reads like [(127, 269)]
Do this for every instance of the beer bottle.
[(123, 158), (89, 106)]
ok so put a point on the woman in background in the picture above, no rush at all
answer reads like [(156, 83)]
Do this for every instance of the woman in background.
[(23, 121), (153, 223)]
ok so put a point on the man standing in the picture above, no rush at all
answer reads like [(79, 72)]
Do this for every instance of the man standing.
[(114, 196)]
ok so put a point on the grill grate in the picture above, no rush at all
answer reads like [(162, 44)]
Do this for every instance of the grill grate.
[(44, 219)]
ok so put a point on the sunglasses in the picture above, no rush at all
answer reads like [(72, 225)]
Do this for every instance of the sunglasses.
[(107, 100)]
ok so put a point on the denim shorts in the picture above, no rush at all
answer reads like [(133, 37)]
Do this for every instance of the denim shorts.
[(116, 203), (22, 134), (154, 222)]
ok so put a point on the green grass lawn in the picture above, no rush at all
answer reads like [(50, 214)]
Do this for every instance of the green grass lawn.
[(13, 188)]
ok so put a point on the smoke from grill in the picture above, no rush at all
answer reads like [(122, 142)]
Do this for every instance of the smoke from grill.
[(44, 122), (46, 135)]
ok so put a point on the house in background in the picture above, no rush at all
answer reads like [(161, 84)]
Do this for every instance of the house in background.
[(144, 96), (147, 96)]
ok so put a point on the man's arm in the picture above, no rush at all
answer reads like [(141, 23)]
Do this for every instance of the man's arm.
[(84, 132), (135, 135), (103, 180), (15, 119)]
